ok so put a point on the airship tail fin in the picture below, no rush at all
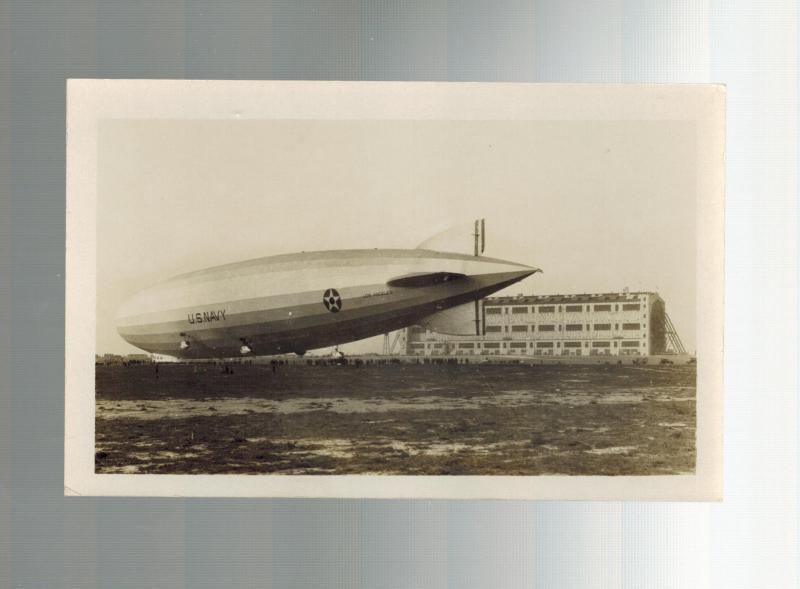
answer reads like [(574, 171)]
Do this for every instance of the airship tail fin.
[(419, 279), (456, 239), (453, 321)]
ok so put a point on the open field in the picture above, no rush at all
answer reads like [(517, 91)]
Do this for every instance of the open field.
[(452, 419)]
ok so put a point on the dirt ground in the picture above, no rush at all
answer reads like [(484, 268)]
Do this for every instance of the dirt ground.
[(444, 419)]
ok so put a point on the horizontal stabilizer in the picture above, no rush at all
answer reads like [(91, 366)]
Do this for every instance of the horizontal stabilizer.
[(424, 279), (454, 321)]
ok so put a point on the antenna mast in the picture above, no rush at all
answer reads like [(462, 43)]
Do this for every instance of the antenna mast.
[(480, 245), (480, 236)]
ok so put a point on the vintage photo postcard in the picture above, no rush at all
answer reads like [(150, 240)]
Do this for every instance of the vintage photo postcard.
[(395, 290)]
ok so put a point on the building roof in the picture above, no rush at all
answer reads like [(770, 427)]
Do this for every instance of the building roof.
[(606, 297)]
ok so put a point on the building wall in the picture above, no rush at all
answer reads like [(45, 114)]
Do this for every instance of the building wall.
[(559, 325)]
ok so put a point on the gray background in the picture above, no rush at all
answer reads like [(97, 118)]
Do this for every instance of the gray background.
[(749, 540)]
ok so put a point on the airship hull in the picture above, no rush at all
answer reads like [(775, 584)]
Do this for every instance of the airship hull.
[(299, 302)]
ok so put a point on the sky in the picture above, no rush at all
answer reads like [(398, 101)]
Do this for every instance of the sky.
[(597, 205)]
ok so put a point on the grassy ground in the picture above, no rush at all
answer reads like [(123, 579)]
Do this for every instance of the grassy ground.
[(396, 419)]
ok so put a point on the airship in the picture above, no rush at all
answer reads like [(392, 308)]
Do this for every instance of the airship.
[(292, 303)]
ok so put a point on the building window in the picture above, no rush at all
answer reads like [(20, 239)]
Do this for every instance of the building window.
[(519, 345), (572, 344), (630, 344), (519, 310), (601, 344), (490, 346), (547, 309), (547, 328), (519, 328), (544, 344), (466, 346), (492, 329), (631, 307), (602, 327), (574, 327), (602, 307), (574, 308), (492, 310), (630, 326)]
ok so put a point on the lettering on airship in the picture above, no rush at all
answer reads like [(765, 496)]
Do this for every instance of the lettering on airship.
[(377, 293), (207, 316), (332, 300)]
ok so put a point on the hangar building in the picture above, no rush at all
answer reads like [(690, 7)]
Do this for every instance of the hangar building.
[(607, 324)]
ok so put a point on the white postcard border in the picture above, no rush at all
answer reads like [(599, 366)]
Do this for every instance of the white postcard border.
[(89, 101)]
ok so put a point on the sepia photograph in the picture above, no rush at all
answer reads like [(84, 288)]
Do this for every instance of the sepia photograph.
[(398, 294), (457, 289)]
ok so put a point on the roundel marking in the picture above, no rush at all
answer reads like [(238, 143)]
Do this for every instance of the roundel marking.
[(332, 300)]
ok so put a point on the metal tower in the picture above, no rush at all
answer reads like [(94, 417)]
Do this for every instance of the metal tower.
[(391, 340), (673, 339)]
